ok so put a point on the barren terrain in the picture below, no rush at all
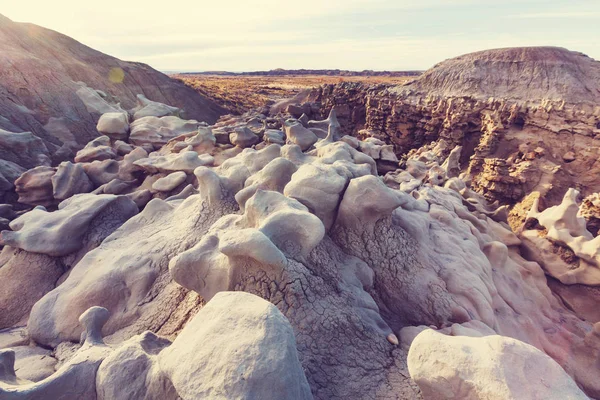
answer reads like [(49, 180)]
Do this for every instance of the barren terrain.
[(343, 237), (241, 93)]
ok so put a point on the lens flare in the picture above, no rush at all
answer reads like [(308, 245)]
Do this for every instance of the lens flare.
[(116, 75)]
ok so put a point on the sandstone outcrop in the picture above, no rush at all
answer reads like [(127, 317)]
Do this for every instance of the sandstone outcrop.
[(517, 137), (521, 73)]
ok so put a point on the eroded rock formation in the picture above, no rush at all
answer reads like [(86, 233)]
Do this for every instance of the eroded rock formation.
[(352, 259), (534, 132), (276, 257)]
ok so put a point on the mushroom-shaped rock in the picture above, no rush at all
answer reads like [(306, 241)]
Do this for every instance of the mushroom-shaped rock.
[(285, 221), (114, 125), (243, 137), (491, 367), (70, 179), (169, 182), (252, 353), (274, 176), (276, 227), (319, 187), (34, 187), (92, 321)]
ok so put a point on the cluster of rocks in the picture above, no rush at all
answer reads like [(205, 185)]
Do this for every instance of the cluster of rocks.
[(356, 283)]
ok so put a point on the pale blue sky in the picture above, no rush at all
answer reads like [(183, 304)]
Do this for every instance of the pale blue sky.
[(347, 34)]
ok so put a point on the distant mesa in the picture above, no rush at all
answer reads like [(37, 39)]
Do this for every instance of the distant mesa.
[(521, 73)]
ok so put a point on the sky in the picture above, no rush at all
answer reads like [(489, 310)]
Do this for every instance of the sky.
[(238, 35)]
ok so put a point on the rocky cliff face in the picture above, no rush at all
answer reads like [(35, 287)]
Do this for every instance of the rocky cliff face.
[(56, 87), (516, 137)]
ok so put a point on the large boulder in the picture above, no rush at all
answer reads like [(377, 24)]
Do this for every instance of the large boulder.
[(114, 125), (243, 137), (486, 368), (238, 346)]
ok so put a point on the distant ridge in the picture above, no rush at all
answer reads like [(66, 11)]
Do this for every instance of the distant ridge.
[(41, 72), (327, 72)]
